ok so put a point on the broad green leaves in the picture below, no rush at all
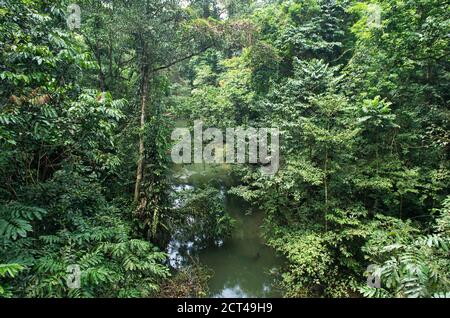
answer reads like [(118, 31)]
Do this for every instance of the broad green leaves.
[(15, 220)]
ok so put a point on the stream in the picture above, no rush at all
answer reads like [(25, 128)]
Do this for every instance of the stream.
[(243, 266)]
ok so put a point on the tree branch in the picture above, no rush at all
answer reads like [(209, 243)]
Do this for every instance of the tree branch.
[(187, 57)]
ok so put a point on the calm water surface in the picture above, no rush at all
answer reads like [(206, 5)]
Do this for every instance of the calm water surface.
[(243, 265)]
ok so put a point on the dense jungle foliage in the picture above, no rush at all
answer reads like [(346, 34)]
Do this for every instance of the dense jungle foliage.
[(86, 115)]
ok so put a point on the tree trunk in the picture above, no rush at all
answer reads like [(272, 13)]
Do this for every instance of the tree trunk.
[(325, 182), (140, 164)]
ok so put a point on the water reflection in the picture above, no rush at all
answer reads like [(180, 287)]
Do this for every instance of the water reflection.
[(243, 265)]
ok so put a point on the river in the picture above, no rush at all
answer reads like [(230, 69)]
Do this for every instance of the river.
[(243, 266)]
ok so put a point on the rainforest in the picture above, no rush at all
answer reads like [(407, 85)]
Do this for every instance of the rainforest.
[(104, 194)]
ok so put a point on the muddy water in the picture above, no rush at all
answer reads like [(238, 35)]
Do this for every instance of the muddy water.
[(243, 265)]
